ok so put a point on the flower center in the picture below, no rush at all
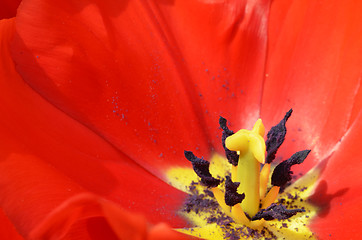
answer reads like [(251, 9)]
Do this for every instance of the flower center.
[(245, 194)]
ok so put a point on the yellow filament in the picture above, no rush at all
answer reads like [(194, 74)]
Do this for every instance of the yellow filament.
[(238, 215), (264, 178), (256, 224), (270, 197), (220, 198)]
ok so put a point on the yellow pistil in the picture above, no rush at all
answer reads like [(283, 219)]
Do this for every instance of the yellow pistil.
[(234, 173), (251, 148), (248, 176)]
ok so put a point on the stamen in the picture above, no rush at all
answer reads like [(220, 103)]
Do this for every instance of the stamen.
[(239, 215), (275, 137), (220, 198), (276, 212), (201, 168), (231, 195), (232, 156), (264, 178), (270, 197), (282, 174)]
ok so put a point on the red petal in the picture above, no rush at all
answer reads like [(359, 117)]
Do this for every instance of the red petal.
[(47, 157), (8, 8), (164, 232), (85, 206), (71, 219), (133, 72), (224, 47), (30, 190), (339, 191), (7, 229), (314, 67)]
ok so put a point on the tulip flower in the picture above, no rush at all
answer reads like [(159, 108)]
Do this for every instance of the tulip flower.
[(99, 100)]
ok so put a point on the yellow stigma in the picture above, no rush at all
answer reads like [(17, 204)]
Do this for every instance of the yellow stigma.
[(251, 148)]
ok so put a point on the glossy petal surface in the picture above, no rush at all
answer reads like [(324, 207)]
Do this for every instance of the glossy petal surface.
[(314, 65), (47, 155), (151, 77)]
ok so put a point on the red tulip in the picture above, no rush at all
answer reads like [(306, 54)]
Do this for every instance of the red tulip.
[(99, 99)]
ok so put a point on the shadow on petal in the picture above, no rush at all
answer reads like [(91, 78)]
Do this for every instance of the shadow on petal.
[(323, 199)]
